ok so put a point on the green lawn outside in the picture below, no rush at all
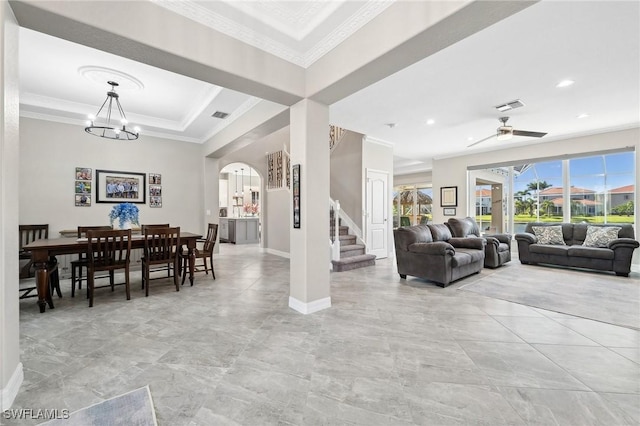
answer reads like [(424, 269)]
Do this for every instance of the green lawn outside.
[(588, 219)]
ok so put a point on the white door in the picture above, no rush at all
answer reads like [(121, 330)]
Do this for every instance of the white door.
[(376, 214)]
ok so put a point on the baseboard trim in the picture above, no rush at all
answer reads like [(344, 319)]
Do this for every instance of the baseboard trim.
[(276, 252), (311, 307), (10, 391)]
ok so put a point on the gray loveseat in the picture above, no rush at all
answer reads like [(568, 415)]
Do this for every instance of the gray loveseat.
[(430, 252), (613, 256)]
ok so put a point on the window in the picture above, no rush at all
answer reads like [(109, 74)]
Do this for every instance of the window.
[(412, 205), (601, 189)]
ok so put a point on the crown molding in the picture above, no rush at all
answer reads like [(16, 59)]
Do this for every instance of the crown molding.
[(218, 22)]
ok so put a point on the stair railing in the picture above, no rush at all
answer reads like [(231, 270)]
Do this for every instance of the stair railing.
[(334, 228), (335, 136)]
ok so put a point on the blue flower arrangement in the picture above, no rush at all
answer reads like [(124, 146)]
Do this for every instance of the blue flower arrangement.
[(124, 212)]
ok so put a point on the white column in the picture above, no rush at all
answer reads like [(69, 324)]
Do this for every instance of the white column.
[(310, 258), (211, 198), (11, 374)]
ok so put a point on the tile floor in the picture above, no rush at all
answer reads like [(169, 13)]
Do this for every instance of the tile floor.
[(389, 352)]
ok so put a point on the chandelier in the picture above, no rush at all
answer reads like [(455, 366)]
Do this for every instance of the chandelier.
[(107, 125)]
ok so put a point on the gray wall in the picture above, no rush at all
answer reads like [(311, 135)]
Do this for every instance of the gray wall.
[(346, 175), (50, 152)]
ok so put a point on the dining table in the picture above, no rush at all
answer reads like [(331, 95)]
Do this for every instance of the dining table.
[(44, 249)]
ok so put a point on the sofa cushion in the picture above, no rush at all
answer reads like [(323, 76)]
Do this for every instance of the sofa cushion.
[(407, 235), (440, 232), (466, 257), (600, 236), (554, 250), (591, 252), (503, 247), (549, 234), (463, 227)]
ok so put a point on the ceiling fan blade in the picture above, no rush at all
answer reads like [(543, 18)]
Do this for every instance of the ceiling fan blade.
[(527, 133), (481, 140)]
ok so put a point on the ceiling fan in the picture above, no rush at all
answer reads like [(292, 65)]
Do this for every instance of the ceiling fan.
[(505, 132)]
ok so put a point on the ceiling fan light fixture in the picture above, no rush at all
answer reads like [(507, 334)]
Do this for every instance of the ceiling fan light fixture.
[(504, 133), (108, 126)]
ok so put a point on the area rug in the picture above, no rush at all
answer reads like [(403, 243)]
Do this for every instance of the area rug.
[(588, 294), (132, 408)]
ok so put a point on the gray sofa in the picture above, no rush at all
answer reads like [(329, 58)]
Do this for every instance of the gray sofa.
[(497, 251), (432, 253), (614, 256)]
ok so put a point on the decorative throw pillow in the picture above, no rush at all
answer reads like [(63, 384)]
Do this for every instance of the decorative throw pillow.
[(549, 235), (600, 236)]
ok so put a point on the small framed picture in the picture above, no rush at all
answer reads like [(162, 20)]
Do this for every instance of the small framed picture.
[(83, 173), (83, 200), (155, 202), (83, 187), (155, 190), (155, 179), (449, 211)]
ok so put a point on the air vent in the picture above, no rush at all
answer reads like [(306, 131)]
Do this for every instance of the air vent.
[(220, 114), (510, 105)]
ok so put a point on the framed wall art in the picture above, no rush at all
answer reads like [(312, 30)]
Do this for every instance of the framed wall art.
[(83, 200), (296, 194), (449, 211), (83, 173), (449, 196), (155, 179), (120, 187)]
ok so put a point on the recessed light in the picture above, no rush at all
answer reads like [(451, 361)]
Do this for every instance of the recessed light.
[(565, 83), (430, 121), (583, 116), (470, 138)]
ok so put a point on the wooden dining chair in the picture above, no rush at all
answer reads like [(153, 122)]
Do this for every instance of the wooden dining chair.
[(158, 225), (29, 234), (82, 261), (160, 248), (204, 253), (108, 250)]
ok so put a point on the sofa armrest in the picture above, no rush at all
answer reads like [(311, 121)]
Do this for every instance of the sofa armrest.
[(471, 243), (437, 248), (526, 237), (503, 238), (623, 242)]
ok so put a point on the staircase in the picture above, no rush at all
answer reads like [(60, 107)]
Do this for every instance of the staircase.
[(352, 255)]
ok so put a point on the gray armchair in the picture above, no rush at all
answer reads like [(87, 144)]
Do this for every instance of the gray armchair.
[(498, 249), (430, 252)]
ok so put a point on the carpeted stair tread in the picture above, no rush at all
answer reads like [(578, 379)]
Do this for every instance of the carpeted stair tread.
[(351, 250), (354, 262), (347, 238)]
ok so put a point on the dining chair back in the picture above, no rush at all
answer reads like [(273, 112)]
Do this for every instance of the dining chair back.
[(161, 246), (108, 250), (206, 252), (168, 266), (29, 234), (82, 261)]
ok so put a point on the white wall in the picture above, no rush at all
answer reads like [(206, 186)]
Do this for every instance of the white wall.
[(346, 175), (50, 152), (277, 222), (453, 171), (11, 374)]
